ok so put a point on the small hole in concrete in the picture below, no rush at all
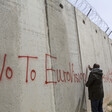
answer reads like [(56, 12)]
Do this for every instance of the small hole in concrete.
[(61, 5), (83, 22), (104, 37), (96, 31)]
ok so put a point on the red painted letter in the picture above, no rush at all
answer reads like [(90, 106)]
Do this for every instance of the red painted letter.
[(9, 69), (46, 69), (3, 66), (28, 57)]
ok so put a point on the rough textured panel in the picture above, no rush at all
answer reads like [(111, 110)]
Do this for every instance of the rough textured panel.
[(64, 45), (95, 48), (10, 87), (86, 44), (36, 95), (108, 68), (110, 46), (23, 33), (102, 53)]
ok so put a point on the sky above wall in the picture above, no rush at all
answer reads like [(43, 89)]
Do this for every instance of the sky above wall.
[(104, 10)]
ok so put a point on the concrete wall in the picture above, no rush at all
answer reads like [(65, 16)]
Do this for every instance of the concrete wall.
[(24, 38), (44, 52), (95, 47), (10, 86), (64, 45)]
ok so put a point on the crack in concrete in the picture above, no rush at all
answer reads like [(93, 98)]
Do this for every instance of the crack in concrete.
[(47, 21)]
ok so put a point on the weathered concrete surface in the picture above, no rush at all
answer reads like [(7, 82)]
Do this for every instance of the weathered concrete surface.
[(65, 46), (36, 96), (10, 90), (44, 51), (95, 47), (23, 32)]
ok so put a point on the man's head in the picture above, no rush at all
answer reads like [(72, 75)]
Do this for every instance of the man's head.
[(96, 66)]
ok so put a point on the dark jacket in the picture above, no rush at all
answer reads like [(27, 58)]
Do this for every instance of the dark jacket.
[(95, 84)]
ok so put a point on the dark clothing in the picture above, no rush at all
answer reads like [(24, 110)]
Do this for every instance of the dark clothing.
[(95, 84), (96, 105)]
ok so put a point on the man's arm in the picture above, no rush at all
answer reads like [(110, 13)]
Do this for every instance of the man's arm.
[(90, 67)]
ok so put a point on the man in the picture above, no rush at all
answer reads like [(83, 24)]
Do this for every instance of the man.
[(95, 88)]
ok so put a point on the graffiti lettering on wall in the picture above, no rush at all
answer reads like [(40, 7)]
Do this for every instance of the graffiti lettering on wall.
[(8, 69), (108, 77), (27, 66), (62, 75)]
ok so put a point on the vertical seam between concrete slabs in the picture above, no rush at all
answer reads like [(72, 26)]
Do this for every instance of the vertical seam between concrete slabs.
[(103, 51), (48, 32), (47, 21), (78, 39), (109, 49), (93, 42), (80, 57)]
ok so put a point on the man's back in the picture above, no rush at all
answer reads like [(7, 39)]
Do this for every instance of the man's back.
[(95, 84)]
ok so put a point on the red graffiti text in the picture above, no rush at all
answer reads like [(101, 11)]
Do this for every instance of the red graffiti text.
[(32, 71), (62, 75), (9, 71)]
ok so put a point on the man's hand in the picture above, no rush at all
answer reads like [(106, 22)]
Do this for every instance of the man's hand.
[(89, 67)]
